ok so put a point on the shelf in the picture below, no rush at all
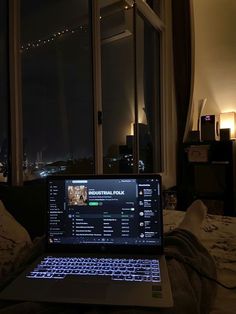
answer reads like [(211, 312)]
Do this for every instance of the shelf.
[(212, 178)]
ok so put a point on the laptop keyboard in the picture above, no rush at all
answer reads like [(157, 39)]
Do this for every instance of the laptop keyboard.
[(144, 270)]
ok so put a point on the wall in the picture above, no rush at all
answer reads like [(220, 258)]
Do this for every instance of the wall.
[(215, 56)]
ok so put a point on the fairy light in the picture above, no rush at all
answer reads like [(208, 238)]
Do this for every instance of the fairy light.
[(58, 35), (51, 38)]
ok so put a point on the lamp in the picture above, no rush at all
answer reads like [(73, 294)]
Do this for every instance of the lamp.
[(228, 121)]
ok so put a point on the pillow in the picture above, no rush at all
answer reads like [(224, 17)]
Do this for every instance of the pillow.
[(15, 242)]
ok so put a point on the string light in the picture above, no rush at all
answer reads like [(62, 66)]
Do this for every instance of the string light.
[(57, 35), (43, 41)]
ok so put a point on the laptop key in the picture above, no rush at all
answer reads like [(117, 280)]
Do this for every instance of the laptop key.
[(58, 276), (137, 278), (129, 278), (118, 277)]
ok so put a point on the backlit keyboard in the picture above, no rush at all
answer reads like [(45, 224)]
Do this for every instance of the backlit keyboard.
[(117, 269)]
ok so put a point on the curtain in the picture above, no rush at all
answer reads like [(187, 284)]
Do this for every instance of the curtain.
[(182, 51)]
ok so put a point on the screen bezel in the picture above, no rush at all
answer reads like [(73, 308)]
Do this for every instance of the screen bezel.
[(104, 248)]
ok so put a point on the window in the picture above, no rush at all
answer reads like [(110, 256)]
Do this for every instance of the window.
[(131, 89), (56, 87), (62, 121), (148, 47), (117, 75)]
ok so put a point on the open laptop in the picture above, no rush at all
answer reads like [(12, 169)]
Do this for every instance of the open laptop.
[(104, 244)]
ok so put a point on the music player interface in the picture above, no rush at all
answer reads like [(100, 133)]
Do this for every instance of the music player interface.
[(114, 211)]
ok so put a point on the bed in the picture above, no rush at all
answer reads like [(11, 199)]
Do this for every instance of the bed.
[(218, 235)]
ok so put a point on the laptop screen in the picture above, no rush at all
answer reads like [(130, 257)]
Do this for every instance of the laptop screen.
[(105, 210)]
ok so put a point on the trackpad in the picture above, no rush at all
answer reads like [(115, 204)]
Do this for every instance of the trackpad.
[(82, 290)]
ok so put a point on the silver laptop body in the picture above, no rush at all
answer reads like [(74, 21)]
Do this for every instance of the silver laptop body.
[(104, 244)]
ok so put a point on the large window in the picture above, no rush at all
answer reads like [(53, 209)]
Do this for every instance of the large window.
[(149, 114), (91, 75), (117, 60), (56, 87), (130, 88)]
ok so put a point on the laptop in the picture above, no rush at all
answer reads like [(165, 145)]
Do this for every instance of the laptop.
[(104, 244)]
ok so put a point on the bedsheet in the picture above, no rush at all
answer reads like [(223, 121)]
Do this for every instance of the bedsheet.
[(218, 235)]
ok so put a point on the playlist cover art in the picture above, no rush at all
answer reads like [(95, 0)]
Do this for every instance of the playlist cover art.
[(77, 195)]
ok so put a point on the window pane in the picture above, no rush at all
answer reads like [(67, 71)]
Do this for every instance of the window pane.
[(149, 113), (4, 88), (117, 86), (56, 87)]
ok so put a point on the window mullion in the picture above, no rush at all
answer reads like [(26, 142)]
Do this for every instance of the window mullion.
[(97, 87), (16, 137), (136, 128)]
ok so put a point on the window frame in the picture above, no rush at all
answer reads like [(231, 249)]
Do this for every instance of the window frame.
[(168, 112), (163, 25), (15, 169), (143, 9)]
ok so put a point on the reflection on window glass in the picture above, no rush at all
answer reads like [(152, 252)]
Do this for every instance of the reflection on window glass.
[(118, 90), (4, 100), (56, 87), (149, 115), (117, 86)]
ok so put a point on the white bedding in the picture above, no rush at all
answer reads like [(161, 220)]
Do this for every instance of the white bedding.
[(218, 235), (15, 242)]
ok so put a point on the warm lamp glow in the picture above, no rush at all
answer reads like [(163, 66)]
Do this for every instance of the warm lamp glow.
[(132, 128), (228, 121)]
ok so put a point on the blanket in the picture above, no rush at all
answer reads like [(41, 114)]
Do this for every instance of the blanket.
[(218, 235)]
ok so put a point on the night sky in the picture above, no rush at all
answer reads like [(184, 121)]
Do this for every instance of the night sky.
[(57, 92), (57, 82)]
